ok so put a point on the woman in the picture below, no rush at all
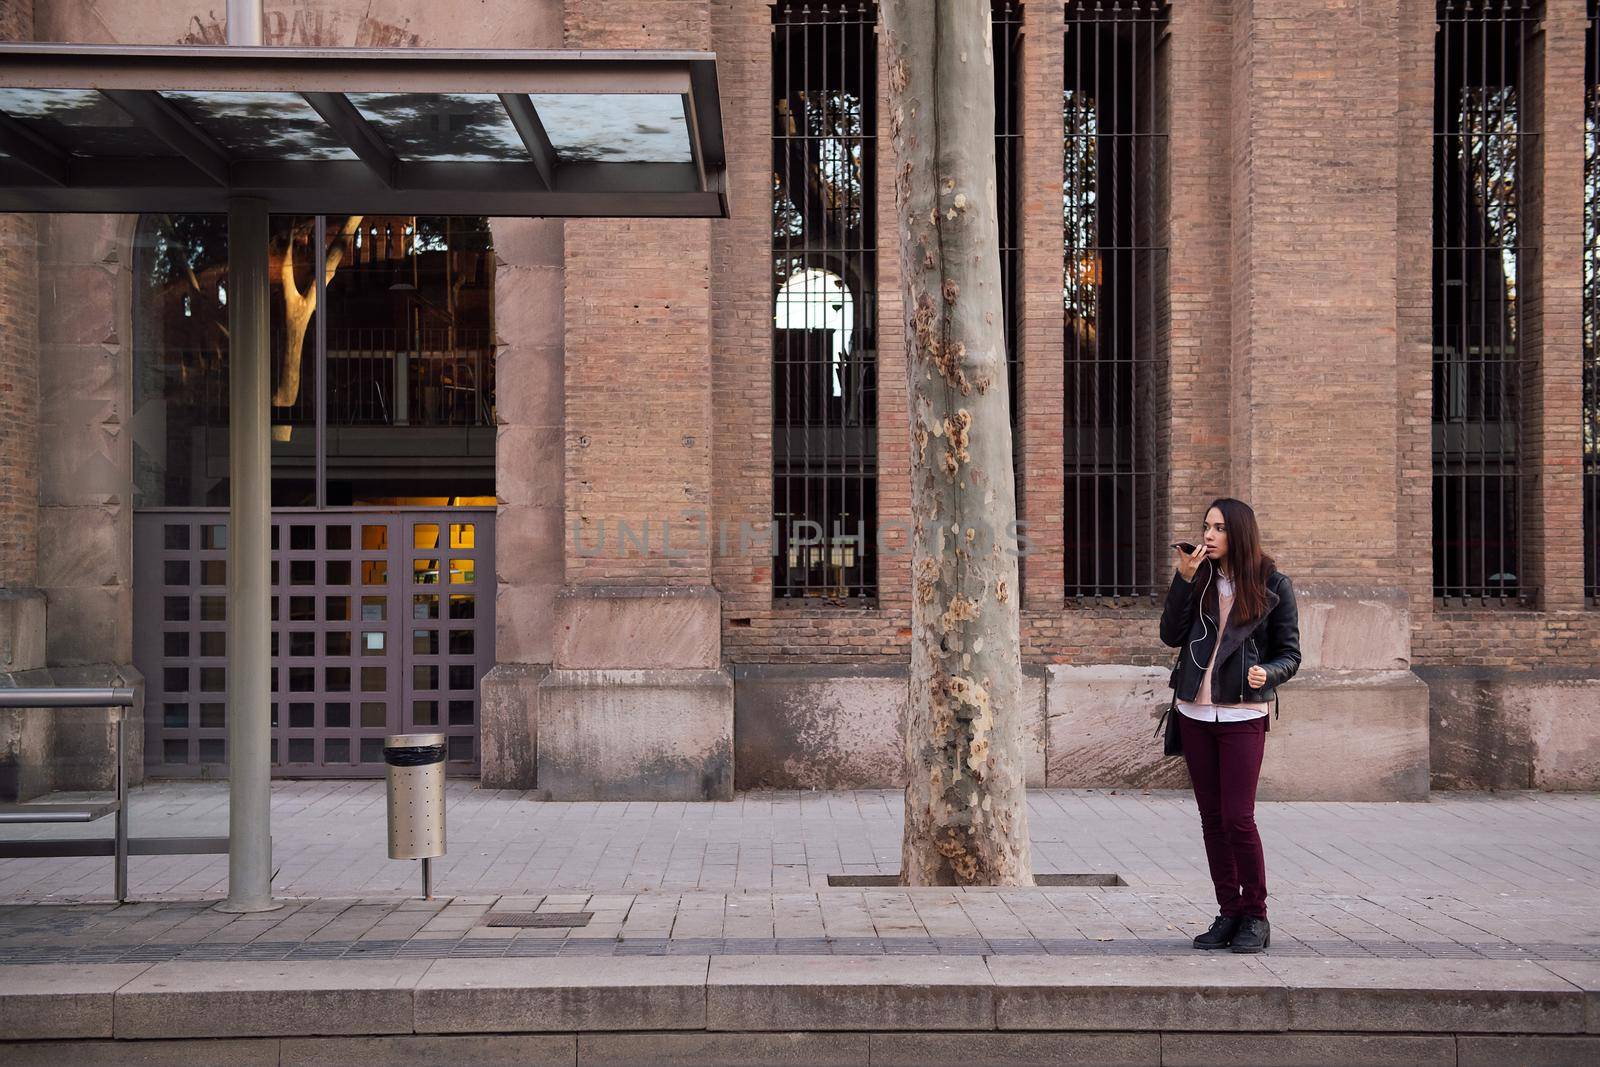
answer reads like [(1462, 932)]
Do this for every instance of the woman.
[(1231, 614)]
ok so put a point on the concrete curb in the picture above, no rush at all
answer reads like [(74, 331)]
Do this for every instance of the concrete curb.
[(761, 1009)]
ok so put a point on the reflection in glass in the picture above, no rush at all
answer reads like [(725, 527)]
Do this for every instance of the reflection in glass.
[(261, 125), (82, 121), (408, 348), (615, 127), (443, 127)]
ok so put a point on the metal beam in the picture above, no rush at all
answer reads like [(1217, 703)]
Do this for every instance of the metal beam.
[(706, 103), (34, 152), (155, 113), (355, 199), (37, 848), (351, 127), (534, 138), (583, 190), (346, 70), (51, 696)]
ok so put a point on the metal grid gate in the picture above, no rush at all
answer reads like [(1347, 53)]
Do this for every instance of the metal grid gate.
[(383, 623)]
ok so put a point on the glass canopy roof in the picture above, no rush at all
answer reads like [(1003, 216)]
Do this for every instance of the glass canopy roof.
[(496, 132)]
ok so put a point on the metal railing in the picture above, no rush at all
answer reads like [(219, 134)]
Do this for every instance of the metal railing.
[(375, 377), (119, 846)]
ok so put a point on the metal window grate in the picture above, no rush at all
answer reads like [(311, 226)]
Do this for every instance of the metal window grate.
[(1591, 309), (1007, 36), (824, 285), (1480, 134), (1115, 269)]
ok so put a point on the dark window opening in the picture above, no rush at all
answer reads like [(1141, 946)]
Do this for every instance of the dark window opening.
[(1008, 186), (1114, 292), (1591, 309), (824, 285), (1480, 143)]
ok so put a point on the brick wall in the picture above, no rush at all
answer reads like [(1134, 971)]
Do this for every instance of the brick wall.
[(19, 368), (638, 356), (1299, 334), (758, 630)]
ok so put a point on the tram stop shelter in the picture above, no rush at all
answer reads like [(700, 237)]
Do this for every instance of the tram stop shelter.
[(251, 130)]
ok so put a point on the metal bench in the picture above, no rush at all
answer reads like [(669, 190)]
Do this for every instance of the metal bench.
[(119, 845)]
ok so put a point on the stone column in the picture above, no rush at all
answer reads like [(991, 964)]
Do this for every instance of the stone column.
[(1315, 403), (638, 704), (26, 737), (529, 409)]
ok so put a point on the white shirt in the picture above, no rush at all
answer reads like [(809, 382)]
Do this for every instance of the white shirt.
[(1210, 711)]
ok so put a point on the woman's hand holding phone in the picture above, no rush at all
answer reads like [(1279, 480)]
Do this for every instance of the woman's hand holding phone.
[(1188, 558)]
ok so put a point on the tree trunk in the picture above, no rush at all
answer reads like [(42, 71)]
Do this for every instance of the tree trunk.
[(966, 813), (298, 308)]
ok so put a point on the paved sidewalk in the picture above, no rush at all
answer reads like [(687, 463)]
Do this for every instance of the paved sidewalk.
[(1463, 876), (328, 841)]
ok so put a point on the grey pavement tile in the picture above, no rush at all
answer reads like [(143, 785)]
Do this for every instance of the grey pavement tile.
[(556, 995), (57, 1001), (1195, 991), (254, 999), (1307, 1050), (1427, 995), (779, 993), (236, 1052), (1583, 975)]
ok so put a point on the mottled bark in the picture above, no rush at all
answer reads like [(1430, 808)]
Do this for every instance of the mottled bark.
[(966, 814)]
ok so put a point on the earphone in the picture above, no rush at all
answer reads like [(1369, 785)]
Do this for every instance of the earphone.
[(1201, 608)]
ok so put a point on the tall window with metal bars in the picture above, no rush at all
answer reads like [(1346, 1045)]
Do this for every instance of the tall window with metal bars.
[(1007, 37), (1115, 243), (1481, 139), (825, 300), (1591, 309)]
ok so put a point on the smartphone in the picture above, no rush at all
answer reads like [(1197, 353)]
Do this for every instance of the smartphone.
[(1185, 545)]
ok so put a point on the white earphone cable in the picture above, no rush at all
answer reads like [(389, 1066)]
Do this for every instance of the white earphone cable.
[(1201, 608)]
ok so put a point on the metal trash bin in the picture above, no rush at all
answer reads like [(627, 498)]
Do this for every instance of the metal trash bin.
[(415, 769)]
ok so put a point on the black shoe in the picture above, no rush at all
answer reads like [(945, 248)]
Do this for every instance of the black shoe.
[(1253, 936), (1223, 927)]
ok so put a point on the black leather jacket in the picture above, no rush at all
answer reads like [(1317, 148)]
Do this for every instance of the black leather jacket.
[(1272, 642)]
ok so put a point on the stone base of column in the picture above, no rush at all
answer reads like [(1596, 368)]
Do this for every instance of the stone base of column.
[(508, 725), (655, 734), (1514, 729), (1341, 734), (835, 726)]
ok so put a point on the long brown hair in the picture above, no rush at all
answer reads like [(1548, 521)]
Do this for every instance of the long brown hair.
[(1248, 566)]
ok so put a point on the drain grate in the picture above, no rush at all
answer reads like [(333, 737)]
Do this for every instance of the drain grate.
[(893, 880), (537, 919)]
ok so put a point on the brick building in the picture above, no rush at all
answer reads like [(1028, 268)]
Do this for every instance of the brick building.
[(619, 505)]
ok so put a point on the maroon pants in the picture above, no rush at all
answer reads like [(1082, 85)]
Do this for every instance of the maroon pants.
[(1224, 761)]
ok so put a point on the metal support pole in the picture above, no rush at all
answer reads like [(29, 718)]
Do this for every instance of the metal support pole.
[(249, 531), (122, 806), (249, 591), (427, 878), (244, 22)]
